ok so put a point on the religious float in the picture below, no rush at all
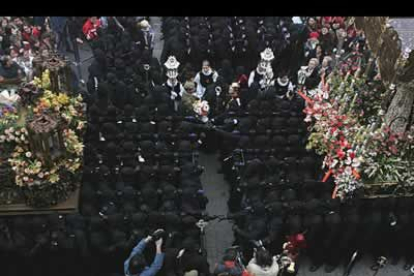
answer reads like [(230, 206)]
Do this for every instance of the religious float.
[(41, 143)]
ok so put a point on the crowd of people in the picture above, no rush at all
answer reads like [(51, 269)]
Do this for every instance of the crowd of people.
[(25, 39), (222, 83)]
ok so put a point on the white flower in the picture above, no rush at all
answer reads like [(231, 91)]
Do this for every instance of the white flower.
[(25, 178), (356, 162), (17, 133), (22, 137), (28, 154), (26, 171), (348, 171), (41, 175)]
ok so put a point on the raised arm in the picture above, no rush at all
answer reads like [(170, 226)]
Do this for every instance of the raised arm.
[(158, 260)]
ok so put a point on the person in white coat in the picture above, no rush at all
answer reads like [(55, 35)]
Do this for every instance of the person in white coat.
[(263, 264)]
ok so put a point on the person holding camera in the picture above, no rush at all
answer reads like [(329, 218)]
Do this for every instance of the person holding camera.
[(136, 264)]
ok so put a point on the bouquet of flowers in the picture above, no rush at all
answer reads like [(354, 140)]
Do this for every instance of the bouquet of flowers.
[(201, 108), (358, 147)]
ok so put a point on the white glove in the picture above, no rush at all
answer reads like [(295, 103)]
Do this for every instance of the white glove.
[(173, 95)]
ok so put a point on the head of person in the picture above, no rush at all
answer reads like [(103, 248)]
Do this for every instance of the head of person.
[(14, 53), (7, 62), (191, 273), (284, 77), (137, 264), (230, 255), (234, 90), (206, 66), (144, 25), (312, 22), (27, 29), (319, 49), (44, 53), (263, 258), (313, 63), (4, 23), (226, 64), (93, 19), (240, 70), (314, 37), (189, 87), (18, 21), (26, 54), (326, 61), (336, 23)]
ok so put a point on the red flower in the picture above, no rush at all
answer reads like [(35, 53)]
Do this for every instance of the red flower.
[(340, 153), (394, 150)]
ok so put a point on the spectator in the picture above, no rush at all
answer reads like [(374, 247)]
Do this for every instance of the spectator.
[(263, 264), (136, 264), (229, 265), (10, 71), (90, 28), (145, 36)]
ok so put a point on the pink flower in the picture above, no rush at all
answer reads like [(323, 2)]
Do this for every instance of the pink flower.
[(340, 153)]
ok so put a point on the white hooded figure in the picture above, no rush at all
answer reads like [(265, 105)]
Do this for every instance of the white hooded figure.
[(263, 74), (175, 87)]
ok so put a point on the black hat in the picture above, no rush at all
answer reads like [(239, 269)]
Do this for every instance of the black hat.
[(99, 240), (189, 244), (128, 174), (75, 220), (39, 224), (138, 219), (88, 209), (115, 220), (56, 221), (169, 191), (294, 224), (168, 206), (288, 195), (96, 223)]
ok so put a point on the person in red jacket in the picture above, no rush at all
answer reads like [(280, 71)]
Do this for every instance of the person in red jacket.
[(91, 27)]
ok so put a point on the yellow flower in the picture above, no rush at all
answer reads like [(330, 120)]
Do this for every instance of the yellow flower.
[(63, 99), (54, 178)]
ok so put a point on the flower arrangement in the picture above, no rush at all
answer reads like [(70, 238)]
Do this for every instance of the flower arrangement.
[(348, 128), (29, 171), (201, 108)]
